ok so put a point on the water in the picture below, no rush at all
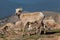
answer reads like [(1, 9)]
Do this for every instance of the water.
[(7, 7)]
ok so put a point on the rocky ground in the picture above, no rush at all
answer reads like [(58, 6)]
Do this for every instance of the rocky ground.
[(17, 34)]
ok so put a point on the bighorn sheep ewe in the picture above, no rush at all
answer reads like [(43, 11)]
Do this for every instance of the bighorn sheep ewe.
[(29, 17)]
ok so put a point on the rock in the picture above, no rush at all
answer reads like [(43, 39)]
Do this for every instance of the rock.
[(58, 38)]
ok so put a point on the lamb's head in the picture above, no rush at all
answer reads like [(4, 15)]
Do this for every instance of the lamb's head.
[(19, 11)]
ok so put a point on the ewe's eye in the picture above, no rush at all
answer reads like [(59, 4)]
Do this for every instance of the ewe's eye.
[(19, 11)]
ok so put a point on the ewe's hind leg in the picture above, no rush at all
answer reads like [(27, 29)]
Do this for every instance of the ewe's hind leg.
[(44, 29)]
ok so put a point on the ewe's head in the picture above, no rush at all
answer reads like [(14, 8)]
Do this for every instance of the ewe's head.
[(18, 11)]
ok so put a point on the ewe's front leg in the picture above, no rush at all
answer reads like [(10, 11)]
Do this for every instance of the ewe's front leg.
[(40, 29), (23, 29)]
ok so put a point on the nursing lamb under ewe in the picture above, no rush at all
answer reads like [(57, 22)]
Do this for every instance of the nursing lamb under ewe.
[(29, 17)]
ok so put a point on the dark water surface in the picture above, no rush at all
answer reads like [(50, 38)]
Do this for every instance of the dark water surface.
[(7, 7)]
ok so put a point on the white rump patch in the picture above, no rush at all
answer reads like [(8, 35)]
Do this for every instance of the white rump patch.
[(41, 14)]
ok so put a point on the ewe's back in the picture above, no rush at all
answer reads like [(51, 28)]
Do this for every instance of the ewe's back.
[(31, 17)]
